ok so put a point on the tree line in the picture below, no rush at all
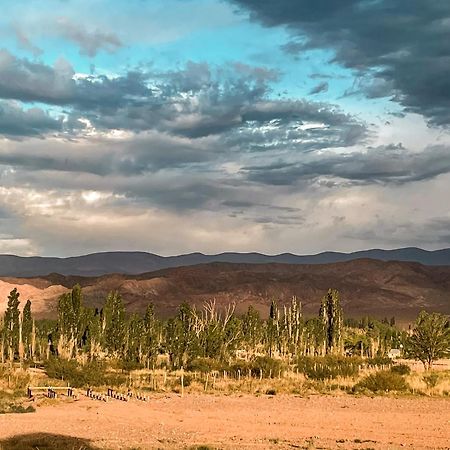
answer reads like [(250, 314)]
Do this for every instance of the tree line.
[(208, 332)]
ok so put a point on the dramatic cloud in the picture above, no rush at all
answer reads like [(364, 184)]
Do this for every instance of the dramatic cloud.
[(212, 125), (17, 122), (194, 102), (389, 164), (401, 43), (21, 79)]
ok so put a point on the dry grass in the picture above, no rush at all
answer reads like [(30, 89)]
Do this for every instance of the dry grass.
[(416, 381), (290, 383), (13, 383)]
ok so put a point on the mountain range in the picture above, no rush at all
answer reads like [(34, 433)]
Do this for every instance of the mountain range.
[(133, 263), (367, 287)]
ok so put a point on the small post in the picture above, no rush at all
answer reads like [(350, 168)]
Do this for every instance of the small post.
[(182, 381), (206, 381)]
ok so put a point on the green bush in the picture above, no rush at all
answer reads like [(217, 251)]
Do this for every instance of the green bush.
[(241, 367), (203, 365), (431, 380), (91, 374), (401, 369), (127, 366), (378, 361), (13, 408), (266, 366), (61, 369), (328, 367), (382, 381)]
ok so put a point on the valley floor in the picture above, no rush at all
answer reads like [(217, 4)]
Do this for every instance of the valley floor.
[(232, 422)]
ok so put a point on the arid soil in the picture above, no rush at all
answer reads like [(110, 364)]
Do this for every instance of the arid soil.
[(232, 422)]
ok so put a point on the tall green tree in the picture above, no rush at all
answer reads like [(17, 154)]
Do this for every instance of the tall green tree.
[(27, 329), (252, 330), (332, 319), (430, 339), (180, 336), (273, 328), (114, 324), (71, 322), (151, 335), (11, 325)]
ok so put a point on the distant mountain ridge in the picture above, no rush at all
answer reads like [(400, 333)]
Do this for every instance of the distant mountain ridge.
[(133, 263), (367, 287)]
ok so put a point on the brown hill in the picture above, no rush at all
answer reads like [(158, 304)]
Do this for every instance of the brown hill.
[(368, 287)]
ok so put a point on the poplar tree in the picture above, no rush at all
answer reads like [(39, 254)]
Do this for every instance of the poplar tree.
[(332, 320), (273, 327), (11, 324), (151, 335), (71, 322), (27, 329), (252, 329), (114, 324)]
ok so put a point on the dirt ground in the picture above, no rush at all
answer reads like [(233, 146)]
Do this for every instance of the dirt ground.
[(232, 422)]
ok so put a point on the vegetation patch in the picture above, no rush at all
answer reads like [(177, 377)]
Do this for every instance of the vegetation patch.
[(401, 369), (382, 381), (328, 367), (78, 375)]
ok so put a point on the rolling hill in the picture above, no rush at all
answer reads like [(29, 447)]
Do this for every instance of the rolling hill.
[(133, 263), (368, 287)]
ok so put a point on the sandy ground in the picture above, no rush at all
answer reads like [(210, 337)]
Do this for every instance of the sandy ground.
[(232, 422)]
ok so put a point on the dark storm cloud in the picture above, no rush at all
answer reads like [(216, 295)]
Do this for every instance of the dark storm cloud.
[(386, 164), (404, 43), (137, 155), (232, 102), (16, 122), (297, 126), (21, 79)]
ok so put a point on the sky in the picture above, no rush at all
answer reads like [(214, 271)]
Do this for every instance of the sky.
[(176, 126)]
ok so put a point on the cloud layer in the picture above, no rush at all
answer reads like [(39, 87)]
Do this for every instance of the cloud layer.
[(103, 147), (401, 45)]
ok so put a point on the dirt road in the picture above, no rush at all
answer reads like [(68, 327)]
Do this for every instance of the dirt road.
[(248, 422)]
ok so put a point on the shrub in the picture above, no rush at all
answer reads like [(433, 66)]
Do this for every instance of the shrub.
[(240, 366), (328, 367), (383, 381), (187, 380), (431, 380), (127, 366), (401, 369), (378, 361), (60, 368), (203, 365), (21, 409), (91, 374), (266, 366), (13, 408)]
